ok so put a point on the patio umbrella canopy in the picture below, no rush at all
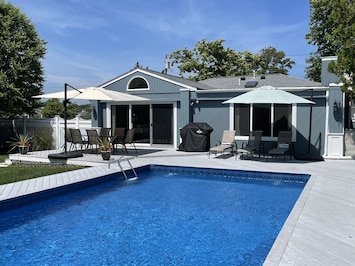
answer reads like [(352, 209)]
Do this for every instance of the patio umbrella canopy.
[(90, 93), (94, 93), (268, 94), (272, 95)]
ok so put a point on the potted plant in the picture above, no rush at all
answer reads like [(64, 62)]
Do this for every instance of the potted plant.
[(105, 148), (22, 142)]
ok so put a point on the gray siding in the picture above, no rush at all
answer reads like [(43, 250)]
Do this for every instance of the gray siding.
[(335, 123), (215, 114), (327, 77)]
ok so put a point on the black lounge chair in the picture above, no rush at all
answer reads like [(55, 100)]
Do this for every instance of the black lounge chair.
[(284, 145), (254, 144)]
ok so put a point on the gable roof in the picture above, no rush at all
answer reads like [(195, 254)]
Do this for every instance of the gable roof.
[(183, 82), (227, 83), (275, 80)]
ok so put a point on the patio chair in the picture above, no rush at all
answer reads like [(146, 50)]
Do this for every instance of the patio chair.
[(118, 137), (254, 144), (128, 140), (227, 142), (93, 138), (78, 138), (284, 145), (105, 132)]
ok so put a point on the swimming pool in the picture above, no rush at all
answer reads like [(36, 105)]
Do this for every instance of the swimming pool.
[(169, 216)]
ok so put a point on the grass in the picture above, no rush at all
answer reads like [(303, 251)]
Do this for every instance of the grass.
[(14, 173)]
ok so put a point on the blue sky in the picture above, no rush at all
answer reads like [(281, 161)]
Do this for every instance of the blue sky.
[(90, 41)]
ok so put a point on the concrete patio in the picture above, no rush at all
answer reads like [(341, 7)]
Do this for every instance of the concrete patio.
[(319, 231)]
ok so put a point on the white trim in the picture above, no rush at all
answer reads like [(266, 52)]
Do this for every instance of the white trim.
[(326, 126), (140, 89), (149, 74), (294, 122), (175, 125), (231, 116), (108, 115)]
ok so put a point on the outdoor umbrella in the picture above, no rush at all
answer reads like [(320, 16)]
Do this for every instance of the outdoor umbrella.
[(90, 93), (272, 95), (93, 93), (268, 94)]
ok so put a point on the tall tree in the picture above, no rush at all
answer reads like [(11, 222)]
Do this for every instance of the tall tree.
[(332, 30), (21, 71), (210, 59), (343, 35), (273, 61)]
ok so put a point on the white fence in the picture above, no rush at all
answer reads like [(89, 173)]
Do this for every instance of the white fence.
[(58, 126), (9, 128)]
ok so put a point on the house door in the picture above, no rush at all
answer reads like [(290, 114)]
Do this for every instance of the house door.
[(140, 122), (162, 124)]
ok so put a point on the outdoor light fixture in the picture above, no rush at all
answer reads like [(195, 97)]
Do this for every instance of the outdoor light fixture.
[(336, 105), (194, 102)]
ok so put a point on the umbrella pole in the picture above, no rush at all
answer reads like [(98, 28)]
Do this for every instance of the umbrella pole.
[(65, 103)]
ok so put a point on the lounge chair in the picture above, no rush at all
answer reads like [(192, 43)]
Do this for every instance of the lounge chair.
[(253, 144), (228, 142), (284, 145)]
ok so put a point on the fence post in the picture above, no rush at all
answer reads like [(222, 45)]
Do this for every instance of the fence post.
[(56, 132)]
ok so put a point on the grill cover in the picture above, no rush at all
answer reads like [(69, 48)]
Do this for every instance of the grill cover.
[(195, 137)]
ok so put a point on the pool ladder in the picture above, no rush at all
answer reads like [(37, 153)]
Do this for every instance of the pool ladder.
[(122, 170)]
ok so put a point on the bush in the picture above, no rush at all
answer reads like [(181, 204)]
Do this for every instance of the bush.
[(42, 139)]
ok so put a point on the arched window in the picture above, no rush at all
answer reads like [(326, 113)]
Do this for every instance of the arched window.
[(138, 83)]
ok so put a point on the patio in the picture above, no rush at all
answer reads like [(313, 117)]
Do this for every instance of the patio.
[(319, 231)]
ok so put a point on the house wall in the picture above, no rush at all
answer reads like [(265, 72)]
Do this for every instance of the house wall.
[(335, 124), (326, 77), (315, 144), (214, 113)]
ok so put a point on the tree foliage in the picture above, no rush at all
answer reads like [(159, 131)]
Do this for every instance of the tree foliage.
[(21, 71), (332, 30), (53, 107), (210, 59), (273, 61)]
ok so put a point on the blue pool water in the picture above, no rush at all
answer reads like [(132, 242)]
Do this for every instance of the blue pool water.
[(169, 216)]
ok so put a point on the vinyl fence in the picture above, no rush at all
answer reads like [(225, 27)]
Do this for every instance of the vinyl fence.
[(9, 128)]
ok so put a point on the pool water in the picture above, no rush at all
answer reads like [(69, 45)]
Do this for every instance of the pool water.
[(166, 217)]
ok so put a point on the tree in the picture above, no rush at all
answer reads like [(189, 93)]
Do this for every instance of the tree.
[(273, 61), (21, 71), (343, 36), (210, 59), (332, 30), (52, 107)]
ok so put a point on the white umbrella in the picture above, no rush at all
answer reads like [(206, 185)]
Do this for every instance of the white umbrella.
[(268, 94), (90, 93), (272, 95), (94, 93)]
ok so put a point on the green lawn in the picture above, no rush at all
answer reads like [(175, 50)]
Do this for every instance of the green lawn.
[(14, 173)]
